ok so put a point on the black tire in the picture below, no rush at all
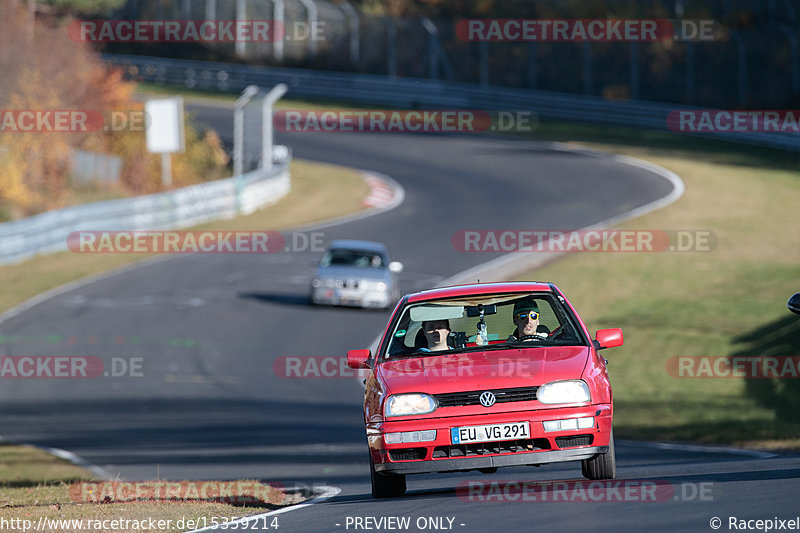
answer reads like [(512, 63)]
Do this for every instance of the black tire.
[(602, 465), (386, 485)]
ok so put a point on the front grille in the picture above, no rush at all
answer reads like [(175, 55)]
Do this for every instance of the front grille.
[(407, 454), (489, 448), (577, 440), (351, 284), (456, 399)]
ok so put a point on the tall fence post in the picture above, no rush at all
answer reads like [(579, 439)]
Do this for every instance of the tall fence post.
[(352, 16), (634, 70), (587, 68), (484, 62), (238, 127), (742, 71), (532, 65), (792, 58), (266, 124), (312, 16), (689, 71), (278, 20), (241, 16), (433, 50), (391, 47)]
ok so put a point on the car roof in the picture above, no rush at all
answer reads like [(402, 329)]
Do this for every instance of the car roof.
[(480, 288), (367, 246)]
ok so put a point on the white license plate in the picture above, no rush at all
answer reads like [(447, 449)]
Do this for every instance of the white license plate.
[(349, 294), (491, 432)]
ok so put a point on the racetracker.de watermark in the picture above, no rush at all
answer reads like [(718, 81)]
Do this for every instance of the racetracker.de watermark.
[(193, 242), (734, 121), (334, 366), (586, 30), (416, 121), (734, 366), (629, 490), (71, 120), (190, 31), (68, 366), (556, 241), (232, 492)]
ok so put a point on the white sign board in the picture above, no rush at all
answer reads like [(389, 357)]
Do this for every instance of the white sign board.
[(164, 125)]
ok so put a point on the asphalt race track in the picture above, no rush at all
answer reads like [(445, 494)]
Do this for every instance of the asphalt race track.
[(207, 403)]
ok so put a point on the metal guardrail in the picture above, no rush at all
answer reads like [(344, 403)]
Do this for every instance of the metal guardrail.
[(48, 232), (411, 93)]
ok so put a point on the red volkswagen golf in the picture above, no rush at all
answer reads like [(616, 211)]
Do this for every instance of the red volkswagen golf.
[(476, 377)]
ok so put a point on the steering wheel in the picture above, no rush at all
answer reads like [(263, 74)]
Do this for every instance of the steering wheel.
[(530, 338)]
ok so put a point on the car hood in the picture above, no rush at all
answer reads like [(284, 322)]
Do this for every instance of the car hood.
[(347, 272), (497, 369)]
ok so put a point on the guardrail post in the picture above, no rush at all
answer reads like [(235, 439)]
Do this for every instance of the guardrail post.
[(266, 124), (587, 67)]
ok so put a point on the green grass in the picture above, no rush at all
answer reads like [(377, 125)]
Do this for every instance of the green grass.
[(729, 301), (35, 484)]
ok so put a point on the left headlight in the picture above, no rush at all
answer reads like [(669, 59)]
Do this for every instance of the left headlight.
[(409, 404), (573, 391)]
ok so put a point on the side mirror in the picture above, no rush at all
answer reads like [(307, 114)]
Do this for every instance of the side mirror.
[(608, 338), (358, 358), (396, 267), (794, 303)]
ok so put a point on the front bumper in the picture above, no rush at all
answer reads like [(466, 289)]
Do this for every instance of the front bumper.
[(442, 455), (492, 461), (350, 297)]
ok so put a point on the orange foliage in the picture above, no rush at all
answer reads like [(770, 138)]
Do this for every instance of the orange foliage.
[(46, 70)]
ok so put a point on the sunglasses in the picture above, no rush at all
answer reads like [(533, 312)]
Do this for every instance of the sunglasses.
[(524, 316)]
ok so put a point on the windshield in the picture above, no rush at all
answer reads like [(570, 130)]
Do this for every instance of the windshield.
[(483, 322), (352, 258)]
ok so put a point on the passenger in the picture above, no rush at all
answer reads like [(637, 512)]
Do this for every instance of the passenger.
[(526, 320), (436, 333)]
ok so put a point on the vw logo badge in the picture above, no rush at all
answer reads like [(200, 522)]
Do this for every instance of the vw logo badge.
[(487, 399)]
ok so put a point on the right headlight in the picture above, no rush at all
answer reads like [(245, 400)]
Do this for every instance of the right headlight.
[(409, 404), (573, 391)]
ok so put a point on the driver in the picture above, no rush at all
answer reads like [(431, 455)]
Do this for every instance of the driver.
[(526, 320), (436, 332)]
